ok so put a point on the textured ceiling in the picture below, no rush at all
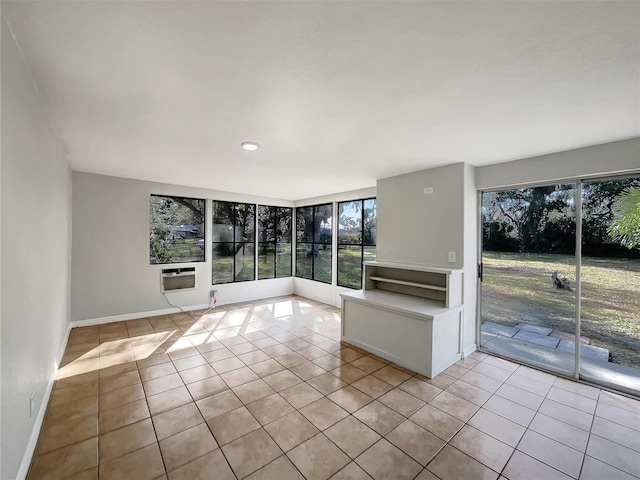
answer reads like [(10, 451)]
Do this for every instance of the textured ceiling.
[(338, 94)]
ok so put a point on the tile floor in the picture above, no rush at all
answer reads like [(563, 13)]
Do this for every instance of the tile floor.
[(264, 390)]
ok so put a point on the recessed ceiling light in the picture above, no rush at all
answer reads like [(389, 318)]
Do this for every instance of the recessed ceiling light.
[(251, 146)]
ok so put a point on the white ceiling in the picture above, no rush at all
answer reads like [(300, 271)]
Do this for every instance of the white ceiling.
[(338, 94)]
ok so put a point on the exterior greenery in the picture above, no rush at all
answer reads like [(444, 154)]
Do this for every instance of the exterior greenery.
[(356, 240), (314, 237), (274, 241), (233, 246), (176, 229), (625, 224)]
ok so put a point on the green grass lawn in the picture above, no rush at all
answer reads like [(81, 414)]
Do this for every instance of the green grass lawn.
[(517, 287)]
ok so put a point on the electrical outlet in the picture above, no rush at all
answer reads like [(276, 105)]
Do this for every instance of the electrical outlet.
[(428, 190), (452, 257), (212, 293), (32, 404)]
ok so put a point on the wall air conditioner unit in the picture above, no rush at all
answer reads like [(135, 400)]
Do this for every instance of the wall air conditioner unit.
[(175, 279)]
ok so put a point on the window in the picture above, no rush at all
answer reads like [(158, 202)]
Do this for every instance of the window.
[(176, 230), (356, 240), (313, 247), (233, 257), (274, 242)]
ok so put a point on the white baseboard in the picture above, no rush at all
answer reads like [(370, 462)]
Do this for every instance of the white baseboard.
[(134, 316), (469, 350), (37, 426)]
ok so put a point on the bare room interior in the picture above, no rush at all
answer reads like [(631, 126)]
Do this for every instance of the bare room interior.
[(320, 240)]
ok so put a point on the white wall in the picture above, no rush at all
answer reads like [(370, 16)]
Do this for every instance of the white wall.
[(418, 228), (324, 292), (609, 158), (36, 253), (415, 227), (111, 274)]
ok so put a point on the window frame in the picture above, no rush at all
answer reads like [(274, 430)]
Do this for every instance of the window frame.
[(362, 243), (204, 227), (313, 241), (213, 243), (275, 242)]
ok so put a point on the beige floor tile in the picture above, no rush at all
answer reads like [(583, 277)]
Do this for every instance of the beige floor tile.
[(536, 375), (456, 371), (268, 367), (272, 348), (123, 415), (415, 441), (64, 395), (553, 453), (569, 435), (510, 410), (614, 454), (323, 413), (251, 452), (90, 474), (318, 458), (234, 424), (368, 364), (491, 371), (401, 402), (352, 436), (480, 446), (383, 461), (198, 373), (153, 360), (329, 362), (372, 386), (471, 393), (617, 433), (218, 404), (252, 391), (593, 469), (454, 405), (238, 377), (228, 365), (75, 380), (207, 387), (350, 398), (124, 440), (217, 355), (65, 461), (351, 472), (452, 464), (281, 469), (566, 414), (282, 380), (518, 395), (121, 396), (291, 359), (419, 389), (571, 399), (437, 422), (619, 415), (168, 400), (254, 357), (243, 348), (291, 430), (498, 427), (625, 403), (114, 382), (528, 384), (270, 408), (348, 355), (143, 464), (577, 387), (501, 363), (312, 352), (176, 420), (392, 375), (349, 373), (481, 381), (307, 370), (379, 417), (54, 436), (183, 447), (524, 467), (301, 395), (162, 384), (442, 380), (157, 371), (326, 383)]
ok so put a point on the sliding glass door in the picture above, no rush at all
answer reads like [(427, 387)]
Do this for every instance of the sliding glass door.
[(547, 279)]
